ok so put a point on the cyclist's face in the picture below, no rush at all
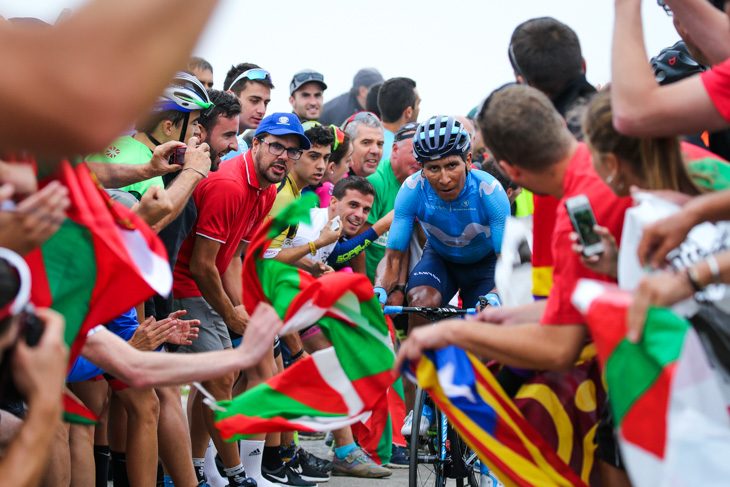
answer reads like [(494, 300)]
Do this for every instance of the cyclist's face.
[(447, 176), (353, 210)]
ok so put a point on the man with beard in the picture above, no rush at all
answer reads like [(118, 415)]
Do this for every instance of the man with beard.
[(232, 203)]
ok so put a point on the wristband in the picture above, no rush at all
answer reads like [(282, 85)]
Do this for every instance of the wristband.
[(193, 169), (312, 249), (382, 295), (399, 287), (298, 354)]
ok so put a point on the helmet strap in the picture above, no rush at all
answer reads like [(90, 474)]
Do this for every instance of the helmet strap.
[(153, 140), (184, 127)]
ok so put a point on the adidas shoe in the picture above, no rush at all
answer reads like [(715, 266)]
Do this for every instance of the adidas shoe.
[(285, 477), (358, 464), (306, 470), (427, 416)]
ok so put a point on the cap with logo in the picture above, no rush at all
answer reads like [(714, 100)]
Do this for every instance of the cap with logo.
[(306, 76), (281, 123), (367, 77)]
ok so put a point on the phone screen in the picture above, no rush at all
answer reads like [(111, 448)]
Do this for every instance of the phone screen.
[(585, 222)]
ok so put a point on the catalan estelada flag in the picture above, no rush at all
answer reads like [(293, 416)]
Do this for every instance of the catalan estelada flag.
[(489, 422)]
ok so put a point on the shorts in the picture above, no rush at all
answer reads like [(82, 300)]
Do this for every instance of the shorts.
[(473, 280), (212, 332)]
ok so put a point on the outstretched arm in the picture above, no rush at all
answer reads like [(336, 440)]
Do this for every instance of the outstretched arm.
[(155, 369), (105, 48)]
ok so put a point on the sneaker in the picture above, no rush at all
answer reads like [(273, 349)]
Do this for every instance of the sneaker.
[(314, 461), (358, 464), (285, 477), (426, 421), (310, 435), (306, 470), (399, 458)]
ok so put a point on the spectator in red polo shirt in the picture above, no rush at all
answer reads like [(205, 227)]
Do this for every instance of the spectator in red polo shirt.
[(232, 203)]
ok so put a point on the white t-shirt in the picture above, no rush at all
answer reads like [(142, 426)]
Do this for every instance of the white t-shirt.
[(310, 233)]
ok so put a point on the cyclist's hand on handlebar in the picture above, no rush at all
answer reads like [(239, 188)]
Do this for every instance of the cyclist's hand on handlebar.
[(421, 339)]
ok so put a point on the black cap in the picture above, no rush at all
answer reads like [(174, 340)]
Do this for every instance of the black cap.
[(403, 131)]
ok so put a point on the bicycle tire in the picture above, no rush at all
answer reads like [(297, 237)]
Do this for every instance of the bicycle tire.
[(422, 473)]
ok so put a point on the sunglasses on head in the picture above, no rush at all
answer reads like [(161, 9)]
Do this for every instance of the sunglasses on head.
[(336, 131), (252, 74), (359, 116), (308, 76)]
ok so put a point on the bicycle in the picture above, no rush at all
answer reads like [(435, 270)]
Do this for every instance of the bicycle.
[(442, 453)]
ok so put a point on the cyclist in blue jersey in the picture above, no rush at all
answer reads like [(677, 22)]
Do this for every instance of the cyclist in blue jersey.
[(461, 211)]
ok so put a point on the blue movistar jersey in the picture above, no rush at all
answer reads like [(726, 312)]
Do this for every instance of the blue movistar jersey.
[(464, 230)]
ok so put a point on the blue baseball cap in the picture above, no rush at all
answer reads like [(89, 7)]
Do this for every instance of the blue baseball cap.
[(281, 123)]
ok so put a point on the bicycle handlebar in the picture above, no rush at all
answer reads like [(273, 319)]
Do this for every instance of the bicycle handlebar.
[(424, 310)]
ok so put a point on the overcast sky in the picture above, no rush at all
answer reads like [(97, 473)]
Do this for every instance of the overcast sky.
[(456, 50)]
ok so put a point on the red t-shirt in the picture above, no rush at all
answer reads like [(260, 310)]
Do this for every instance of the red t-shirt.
[(717, 84), (231, 207), (609, 209)]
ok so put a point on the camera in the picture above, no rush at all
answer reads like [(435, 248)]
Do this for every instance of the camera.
[(30, 330)]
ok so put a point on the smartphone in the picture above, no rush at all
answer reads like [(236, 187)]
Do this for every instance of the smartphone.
[(336, 223), (581, 215), (179, 156)]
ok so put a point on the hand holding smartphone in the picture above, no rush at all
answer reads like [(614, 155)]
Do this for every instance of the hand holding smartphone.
[(583, 220)]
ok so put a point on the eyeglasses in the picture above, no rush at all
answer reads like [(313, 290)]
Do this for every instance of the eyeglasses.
[(665, 7), (277, 149), (359, 116), (252, 74)]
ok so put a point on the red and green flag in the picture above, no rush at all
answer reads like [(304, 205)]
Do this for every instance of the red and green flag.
[(670, 408), (103, 260), (334, 387)]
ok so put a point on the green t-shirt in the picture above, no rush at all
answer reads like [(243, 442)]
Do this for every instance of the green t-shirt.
[(386, 189), (128, 150)]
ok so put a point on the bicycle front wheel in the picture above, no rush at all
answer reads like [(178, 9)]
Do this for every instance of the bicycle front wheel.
[(425, 462)]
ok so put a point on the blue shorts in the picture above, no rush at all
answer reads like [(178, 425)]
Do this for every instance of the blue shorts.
[(472, 280)]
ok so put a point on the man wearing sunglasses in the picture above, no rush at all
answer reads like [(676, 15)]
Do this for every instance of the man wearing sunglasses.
[(232, 203), (252, 86), (305, 94)]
